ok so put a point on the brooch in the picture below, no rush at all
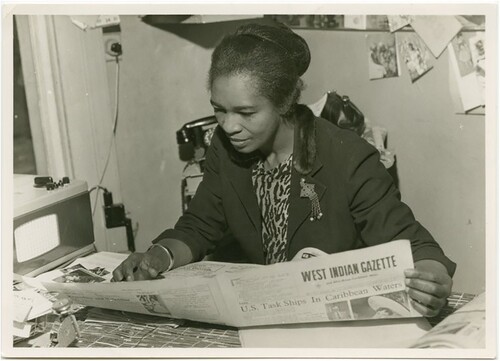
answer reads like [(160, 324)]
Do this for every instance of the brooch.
[(307, 190)]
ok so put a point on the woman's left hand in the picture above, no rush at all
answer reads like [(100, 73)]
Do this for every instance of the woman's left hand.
[(429, 286)]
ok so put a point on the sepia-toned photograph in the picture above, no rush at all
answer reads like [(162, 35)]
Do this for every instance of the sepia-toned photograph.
[(248, 181), (416, 56), (382, 56)]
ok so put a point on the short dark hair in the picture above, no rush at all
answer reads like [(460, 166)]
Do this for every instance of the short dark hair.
[(274, 56)]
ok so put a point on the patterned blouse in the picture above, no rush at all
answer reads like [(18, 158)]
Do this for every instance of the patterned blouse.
[(272, 188)]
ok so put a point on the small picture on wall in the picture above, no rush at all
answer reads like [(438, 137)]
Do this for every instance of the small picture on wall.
[(415, 55), (479, 60), (467, 56), (382, 56), (397, 22), (311, 21), (463, 54)]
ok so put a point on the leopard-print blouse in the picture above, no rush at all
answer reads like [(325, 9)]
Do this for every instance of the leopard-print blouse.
[(272, 188)]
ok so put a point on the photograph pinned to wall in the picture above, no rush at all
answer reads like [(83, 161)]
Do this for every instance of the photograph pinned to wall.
[(311, 21), (397, 22), (366, 22), (463, 53), (355, 22), (377, 22), (382, 56), (467, 69), (472, 22), (478, 52), (415, 54)]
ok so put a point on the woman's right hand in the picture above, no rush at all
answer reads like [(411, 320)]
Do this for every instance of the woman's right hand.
[(142, 266)]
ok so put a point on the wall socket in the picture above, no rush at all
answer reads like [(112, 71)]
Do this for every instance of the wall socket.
[(110, 40)]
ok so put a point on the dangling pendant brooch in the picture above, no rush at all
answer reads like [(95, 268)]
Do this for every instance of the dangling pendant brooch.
[(307, 190)]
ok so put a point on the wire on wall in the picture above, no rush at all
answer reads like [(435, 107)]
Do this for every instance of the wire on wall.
[(113, 135)]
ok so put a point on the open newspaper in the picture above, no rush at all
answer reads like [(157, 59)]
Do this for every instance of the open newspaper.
[(464, 328), (355, 285)]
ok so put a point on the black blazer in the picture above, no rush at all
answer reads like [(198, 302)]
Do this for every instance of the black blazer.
[(361, 206)]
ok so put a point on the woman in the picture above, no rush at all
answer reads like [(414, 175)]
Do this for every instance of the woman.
[(279, 179)]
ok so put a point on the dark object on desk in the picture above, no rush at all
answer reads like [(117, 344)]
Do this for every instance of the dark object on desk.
[(40, 182), (48, 182), (341, 111), (114, 214)]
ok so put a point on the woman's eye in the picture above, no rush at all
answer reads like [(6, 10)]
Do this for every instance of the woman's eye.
[(219, 110), (247, 114)]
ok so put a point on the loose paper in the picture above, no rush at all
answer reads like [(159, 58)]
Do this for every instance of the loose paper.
[(86, 22), (436, 31)]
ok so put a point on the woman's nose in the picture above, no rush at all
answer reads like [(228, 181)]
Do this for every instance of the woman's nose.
[(230, 123)]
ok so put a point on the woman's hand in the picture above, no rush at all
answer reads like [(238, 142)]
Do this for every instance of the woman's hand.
[(429, 286), (142, 266)]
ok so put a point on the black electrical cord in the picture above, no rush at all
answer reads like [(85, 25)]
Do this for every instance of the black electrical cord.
[(107, 195), (97, 187)]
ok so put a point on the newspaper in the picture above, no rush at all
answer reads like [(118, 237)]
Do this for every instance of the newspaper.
[(354, 285), (30, 301), (465, 328)]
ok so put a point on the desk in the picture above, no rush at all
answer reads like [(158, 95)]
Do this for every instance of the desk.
[(150, 331), (134, 330)]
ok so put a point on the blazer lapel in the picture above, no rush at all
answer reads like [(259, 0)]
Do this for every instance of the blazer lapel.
[(241, 181)]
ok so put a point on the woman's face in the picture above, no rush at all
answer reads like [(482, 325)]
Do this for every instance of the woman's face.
[(249, 120)]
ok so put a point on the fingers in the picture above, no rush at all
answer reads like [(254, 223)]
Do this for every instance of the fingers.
[(138, 266), (426, 304), (125, 271), (151, 266), (424, 310), (428, 290), (140, 275), (426, 275), (432, 289)]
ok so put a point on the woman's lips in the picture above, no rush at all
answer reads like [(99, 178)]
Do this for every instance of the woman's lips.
[(237, 141)]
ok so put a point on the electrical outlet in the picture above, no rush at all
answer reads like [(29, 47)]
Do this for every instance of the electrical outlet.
[(112, 46)]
